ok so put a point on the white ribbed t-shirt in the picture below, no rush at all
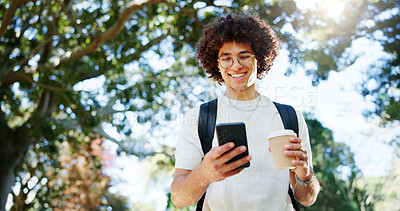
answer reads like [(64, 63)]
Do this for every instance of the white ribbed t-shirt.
[(259, 187)]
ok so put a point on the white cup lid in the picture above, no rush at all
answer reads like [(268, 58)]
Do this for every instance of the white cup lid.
[(281, 133)]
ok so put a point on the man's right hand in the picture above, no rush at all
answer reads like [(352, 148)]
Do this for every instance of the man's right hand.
[(189, 185), (214, 168)]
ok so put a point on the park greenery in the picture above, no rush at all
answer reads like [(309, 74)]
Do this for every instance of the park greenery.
[(140, 55)]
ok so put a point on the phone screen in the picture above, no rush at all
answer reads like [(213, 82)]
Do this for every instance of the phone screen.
[(236, 133)]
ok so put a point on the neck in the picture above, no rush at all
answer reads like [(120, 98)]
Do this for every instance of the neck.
[(245, 95)]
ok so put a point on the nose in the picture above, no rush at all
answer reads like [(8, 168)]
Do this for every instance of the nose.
[(236, 64)]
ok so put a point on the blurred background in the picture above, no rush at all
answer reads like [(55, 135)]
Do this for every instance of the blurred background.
[(93, 93)]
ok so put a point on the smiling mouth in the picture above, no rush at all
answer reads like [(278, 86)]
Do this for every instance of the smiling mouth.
[(238, 76)]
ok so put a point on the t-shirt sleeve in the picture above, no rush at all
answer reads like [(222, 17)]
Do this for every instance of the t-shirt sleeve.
[(188, 152), (304, 136)]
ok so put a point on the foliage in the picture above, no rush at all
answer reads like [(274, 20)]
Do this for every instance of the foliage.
[(49, 51), (73, 67), (325, 44), (388, 196), (81, 175), (336, 171), (70, 179), (386, 30), (172, 207), (321, 43)]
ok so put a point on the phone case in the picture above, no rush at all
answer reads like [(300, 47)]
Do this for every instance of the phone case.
[(236, 133)]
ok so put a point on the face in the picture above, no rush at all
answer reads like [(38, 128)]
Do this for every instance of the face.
[(238, 79)]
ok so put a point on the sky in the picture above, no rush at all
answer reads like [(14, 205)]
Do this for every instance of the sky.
[(339, 106)]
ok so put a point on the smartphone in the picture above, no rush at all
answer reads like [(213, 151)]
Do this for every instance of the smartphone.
[(236, 133)]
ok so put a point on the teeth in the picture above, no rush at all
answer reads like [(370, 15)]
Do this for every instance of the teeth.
[(238, 75)]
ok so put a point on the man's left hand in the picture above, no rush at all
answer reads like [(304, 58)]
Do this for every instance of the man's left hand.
[(295, 149)]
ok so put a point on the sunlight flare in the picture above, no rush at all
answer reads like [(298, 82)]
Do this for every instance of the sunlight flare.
[(332, 8)]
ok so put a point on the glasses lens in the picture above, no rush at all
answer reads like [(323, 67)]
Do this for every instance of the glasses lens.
[(245, 60), (226, 62)]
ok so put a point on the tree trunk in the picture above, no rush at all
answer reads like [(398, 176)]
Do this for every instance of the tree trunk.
[(6, 180), (13, 146)]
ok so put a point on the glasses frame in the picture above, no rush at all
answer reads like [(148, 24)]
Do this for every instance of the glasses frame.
[(233, 61)]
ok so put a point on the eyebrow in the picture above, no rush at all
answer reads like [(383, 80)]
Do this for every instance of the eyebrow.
[(241, 52)]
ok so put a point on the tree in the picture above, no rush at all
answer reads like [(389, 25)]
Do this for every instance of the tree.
[(82, 178), (71, 179), (336, 171), (326, 43), (386, 30), (49, 47), (52, 49), (388, 198), (321, 43)]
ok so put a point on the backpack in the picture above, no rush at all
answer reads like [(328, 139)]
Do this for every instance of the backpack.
[(206, 127)]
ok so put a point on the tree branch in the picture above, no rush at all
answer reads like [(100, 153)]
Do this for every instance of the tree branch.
[(135, 56), (37, 183), (77, 26), (4, 128), (112, 32), (93, 74), (101, 132), (9, 14), (33, 53), (42, 111), (18, 76), (73, 124)]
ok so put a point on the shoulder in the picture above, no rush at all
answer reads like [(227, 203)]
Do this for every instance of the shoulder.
[(191, 116), (299, 115)]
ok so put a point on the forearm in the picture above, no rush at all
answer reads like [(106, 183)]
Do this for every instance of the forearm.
[(307, 195), (187, 189), (189, 185)]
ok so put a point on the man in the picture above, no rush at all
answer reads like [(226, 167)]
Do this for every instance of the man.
[(235, 51)]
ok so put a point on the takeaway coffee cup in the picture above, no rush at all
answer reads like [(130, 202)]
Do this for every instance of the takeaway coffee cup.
[(277, 140)]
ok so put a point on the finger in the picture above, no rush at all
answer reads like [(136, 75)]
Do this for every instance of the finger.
[(233, 172), (295, 140), (296, 146), (300, 163), (298, 154), (237, 151), (236, 164), (220, 150)]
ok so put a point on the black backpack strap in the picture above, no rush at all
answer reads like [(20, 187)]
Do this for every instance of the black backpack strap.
[(294, 202), (207, 118), (288, 116), (200, 203), (206, 128), (289, 119)]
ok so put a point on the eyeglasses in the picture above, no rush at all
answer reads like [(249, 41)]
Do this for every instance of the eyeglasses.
[(243, 59)]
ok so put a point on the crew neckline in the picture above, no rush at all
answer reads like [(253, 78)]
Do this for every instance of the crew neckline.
[(244, 103)]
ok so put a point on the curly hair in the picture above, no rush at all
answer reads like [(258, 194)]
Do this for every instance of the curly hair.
[(239, 28)]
